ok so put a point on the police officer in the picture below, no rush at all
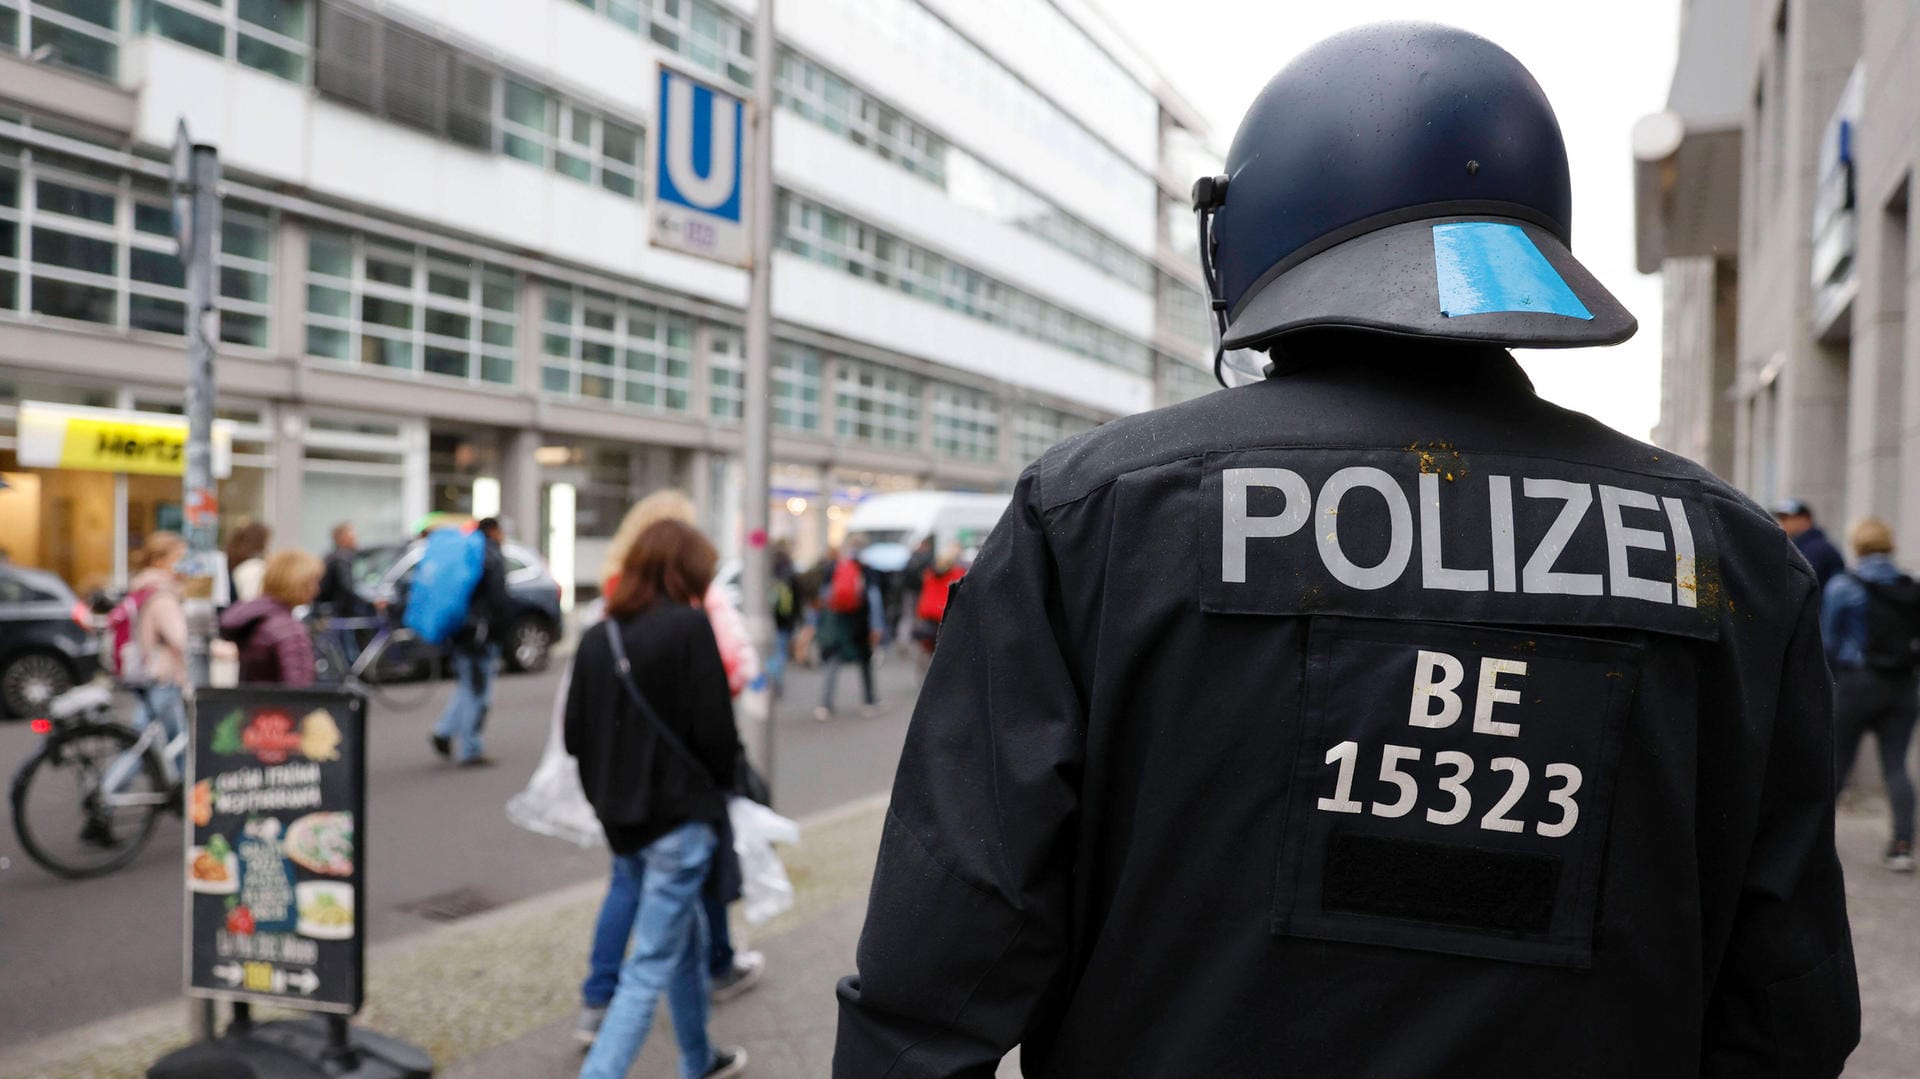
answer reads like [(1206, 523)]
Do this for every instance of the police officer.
[(1375, 718)]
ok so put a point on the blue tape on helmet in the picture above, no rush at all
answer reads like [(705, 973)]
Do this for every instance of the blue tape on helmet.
[(1484, 267)]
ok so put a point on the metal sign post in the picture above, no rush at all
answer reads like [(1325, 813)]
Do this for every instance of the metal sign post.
[(757, 443), (713, 197), (196, 214)]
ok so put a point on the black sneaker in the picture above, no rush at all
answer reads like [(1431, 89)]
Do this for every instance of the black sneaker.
[(727, 1063), (442, 746), (742, 976)]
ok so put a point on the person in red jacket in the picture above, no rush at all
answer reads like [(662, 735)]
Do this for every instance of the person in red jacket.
[(935, 587), (275, 647)]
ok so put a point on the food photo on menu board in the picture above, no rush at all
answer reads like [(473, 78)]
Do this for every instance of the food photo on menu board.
[(274, 863)]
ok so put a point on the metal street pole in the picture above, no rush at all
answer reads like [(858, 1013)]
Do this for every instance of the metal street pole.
[(196, 226), (758, 441), (201, 498)]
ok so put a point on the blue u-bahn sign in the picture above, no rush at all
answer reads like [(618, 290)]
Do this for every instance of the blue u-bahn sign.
[(699, 203)]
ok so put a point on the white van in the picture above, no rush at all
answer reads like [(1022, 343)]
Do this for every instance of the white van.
[(901, 519)]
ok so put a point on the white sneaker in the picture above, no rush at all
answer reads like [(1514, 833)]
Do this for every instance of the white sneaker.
[(822, 713), (1898, 858), (588, 1027)]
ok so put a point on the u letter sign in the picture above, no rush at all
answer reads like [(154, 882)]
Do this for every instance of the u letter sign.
[(699, 200)]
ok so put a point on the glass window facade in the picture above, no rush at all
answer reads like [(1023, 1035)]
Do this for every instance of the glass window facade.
[(727, 374), (699, 30), (796, 388), (1183, 312), (1185, 381), (380, 303), (829, 100), (1037, 429), (542, 128), (962, 70), (835, 239), (269, 35), (82, 241), (966, 423), (414, 80), (80, 35), (1039, 37), (876, 405), (599, 347)]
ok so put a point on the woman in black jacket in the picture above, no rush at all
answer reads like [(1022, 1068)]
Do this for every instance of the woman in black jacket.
[(660, 795)]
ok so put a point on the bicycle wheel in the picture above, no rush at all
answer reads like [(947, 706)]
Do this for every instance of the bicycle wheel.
[(393, 672), (65, 821)]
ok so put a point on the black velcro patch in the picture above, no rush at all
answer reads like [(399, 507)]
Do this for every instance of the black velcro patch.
[(1440, 883)]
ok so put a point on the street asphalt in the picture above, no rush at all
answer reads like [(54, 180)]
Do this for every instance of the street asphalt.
[(436, 836)]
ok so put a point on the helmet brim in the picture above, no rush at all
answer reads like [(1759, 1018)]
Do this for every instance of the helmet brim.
[(1458, 278)]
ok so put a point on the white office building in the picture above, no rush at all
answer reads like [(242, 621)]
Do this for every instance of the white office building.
[(437, 290)]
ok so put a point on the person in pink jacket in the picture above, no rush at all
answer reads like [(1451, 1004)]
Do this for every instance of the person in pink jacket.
[(160, 631)]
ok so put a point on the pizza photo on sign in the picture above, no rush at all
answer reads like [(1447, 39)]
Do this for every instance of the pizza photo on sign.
[(321, 843)]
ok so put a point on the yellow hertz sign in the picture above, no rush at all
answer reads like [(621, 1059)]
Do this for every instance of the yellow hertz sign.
[(101, 440)]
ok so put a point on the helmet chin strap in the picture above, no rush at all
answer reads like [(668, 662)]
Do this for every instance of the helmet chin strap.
[(1209, 194)]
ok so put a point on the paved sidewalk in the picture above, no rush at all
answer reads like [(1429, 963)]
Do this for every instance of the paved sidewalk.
[(494, 997)]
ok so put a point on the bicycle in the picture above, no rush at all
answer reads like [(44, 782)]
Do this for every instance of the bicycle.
[(119, 779), (390, 667)]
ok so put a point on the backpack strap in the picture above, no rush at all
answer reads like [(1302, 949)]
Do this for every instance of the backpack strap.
[(625, 667)]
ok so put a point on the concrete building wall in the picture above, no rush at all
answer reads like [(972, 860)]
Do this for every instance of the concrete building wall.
[(1793, 389), (1698, 360)]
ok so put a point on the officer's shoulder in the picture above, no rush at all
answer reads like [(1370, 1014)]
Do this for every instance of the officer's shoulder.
[(1080, 465), (1740, 518)]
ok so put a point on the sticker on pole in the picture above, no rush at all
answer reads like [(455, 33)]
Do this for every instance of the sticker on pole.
[(699, 203)]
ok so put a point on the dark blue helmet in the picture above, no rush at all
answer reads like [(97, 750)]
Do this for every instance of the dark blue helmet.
[(1406, 178)]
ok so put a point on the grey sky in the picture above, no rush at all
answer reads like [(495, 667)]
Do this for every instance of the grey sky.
[(1603, 67)]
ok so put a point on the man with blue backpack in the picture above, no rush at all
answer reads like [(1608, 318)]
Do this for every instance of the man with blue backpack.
[(458, 597)]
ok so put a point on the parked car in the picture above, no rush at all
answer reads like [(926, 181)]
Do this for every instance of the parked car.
[(47, 642), (535, 626)]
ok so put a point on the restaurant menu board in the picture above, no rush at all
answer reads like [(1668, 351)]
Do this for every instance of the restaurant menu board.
[(275, 861)]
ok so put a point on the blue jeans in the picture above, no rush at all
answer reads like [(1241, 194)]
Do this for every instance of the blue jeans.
[(166, 704), (669, 955), (472, 696), (615, 927), (777, 662), (162, 704)]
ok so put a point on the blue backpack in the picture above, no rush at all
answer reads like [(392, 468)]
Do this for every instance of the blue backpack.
[(443, 583)]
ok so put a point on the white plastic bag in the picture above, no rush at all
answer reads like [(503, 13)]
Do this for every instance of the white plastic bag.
[(553, 802), (765, 891)]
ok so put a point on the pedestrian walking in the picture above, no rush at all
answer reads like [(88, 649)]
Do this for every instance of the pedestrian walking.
[(275, 647), (852, 623), (553, 802), (650, 721), (159, 632), (784, 583), (337, 595), (475, 649), (930, 603), (247, 560), (1796, 520), (1375, 716), (911, 579), (1870, 621)]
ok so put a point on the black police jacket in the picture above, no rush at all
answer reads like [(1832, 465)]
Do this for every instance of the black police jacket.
[(1380, 719)]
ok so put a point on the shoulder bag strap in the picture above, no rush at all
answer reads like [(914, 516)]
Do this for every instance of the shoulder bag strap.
[(619, 646)]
